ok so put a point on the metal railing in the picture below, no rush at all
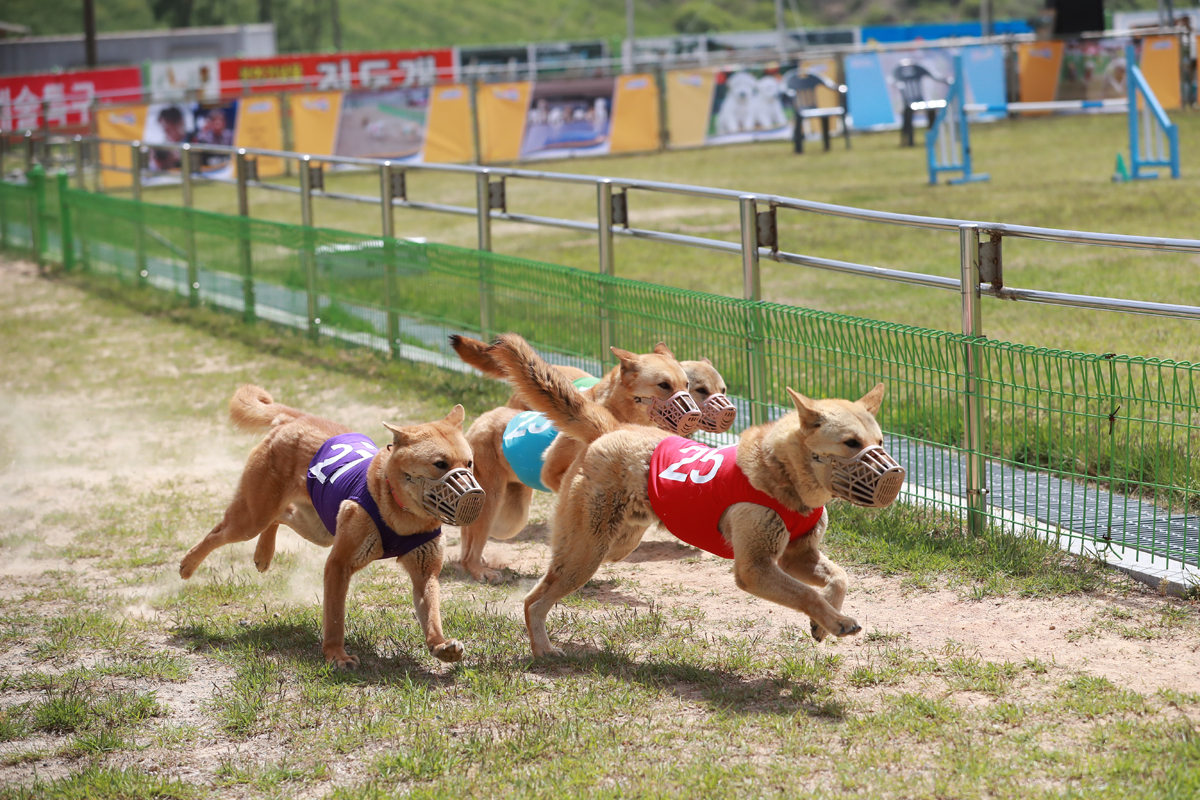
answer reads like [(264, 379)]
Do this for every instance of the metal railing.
[(980, 245)]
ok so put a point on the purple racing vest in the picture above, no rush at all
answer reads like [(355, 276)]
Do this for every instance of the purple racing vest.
[(339, 472)]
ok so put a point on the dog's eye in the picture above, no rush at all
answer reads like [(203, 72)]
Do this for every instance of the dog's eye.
[(853, 444), (665, 385), (440, 464), (470, 464), (702, 390)]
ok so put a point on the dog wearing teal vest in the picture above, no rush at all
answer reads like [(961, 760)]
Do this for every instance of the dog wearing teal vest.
[(541, 456)]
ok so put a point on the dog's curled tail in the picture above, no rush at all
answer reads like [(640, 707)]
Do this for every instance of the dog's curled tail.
[(474, 352), (253, 410), (547, 390)]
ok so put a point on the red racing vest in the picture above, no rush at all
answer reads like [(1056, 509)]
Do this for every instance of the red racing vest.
[(691, 486)]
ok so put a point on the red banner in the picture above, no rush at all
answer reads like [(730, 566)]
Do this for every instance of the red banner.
[(338, 72), (68, 96)]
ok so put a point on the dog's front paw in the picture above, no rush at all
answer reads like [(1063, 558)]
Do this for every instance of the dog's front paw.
[(847, 627), (186, 569), (449, 652), (549, 651), (341, 658), (483, 573), (818, 632)]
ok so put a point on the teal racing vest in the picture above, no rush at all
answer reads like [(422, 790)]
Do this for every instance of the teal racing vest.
[(526, 439)]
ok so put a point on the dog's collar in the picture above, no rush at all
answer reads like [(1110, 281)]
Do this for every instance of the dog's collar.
[(395, 496)]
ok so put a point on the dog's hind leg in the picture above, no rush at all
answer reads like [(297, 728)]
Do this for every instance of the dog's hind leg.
[(241, 523), (568, 571), (264, 551), (423, 565), (505, 513), (803, 560)]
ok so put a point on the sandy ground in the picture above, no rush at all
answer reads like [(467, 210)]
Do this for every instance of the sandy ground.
[(95, 440)]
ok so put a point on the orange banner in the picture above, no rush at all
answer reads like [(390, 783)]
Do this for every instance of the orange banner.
[(1038, 67), (503, 108), (260, 126), (635, 115), (315, 121), (127, 123), (1159, 61), (689, 100), (448, 127)]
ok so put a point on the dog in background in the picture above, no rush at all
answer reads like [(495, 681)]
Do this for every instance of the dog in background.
[(760, 502), (396, 498), (510, 487)]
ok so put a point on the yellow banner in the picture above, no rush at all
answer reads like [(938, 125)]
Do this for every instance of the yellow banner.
[(689, 106), (127, 123), (1038, 68), (1160, 64), (635, 115), (503, 111), (315, 121), (260, 125), (448, 126)]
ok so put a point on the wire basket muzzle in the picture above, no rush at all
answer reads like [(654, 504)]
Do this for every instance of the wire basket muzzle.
[(678, 414), (872, 478), (456, 498), (717, 414)]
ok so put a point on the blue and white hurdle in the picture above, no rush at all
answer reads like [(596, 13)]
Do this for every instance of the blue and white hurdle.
[(1153, 138), (948, 142)]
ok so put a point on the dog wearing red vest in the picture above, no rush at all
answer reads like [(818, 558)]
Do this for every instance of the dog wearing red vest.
[(607, 497)]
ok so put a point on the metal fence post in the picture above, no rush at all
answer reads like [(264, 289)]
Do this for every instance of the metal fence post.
[(386, 196), (29, 145), (135, 166), (80, 154), (66, 230), (483, 212), (306, 255), (245, 251), (37, 214), (752, 291), (972, 327), (604, 216), (189, 200)]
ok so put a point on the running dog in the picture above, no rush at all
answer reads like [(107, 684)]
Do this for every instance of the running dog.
[(760, 503), (510, 447), (337, 489), (518, 450)]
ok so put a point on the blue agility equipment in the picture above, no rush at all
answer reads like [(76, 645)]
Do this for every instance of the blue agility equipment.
[(1153, 138), (948, 142)]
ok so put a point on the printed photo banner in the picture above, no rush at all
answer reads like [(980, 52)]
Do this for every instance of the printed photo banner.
[(407, 125), (254, 122), (69, 94), (708, 106), (558, 119), (878, 83), (183, 79), (343, 72), (1094, 69)]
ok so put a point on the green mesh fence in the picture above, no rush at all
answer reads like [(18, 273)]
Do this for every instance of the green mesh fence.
[(1084, 448)]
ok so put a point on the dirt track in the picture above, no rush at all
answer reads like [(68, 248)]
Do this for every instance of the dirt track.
[(119, 414)]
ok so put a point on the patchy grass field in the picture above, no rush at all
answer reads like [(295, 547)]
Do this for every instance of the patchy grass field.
[(987, 668), (1052, 172)]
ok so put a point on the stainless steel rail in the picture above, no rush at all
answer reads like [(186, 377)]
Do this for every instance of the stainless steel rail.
[(608, 224)]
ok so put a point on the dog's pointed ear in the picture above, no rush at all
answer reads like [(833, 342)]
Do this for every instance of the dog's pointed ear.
[(873, 399), (628, 360), (456, 416), (399, 436), (662, 350), (704, 360), (810, 415)]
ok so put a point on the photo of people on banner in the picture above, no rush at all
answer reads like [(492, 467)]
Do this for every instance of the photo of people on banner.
[(569, 118), (201, 123), (750, 105), (1093, 69)]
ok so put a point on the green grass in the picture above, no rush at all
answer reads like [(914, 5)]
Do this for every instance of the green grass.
[(655, 699)]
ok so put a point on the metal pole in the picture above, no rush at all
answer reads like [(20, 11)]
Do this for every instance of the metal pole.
[(972, 327), (28, 150), (306, 255), (386, 195), (193, 269), (66, 231), (627, 55), (80, 181), (135, 167), (781, 27), (752, 291), (483, 213), (245, 251), (604, 198)]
